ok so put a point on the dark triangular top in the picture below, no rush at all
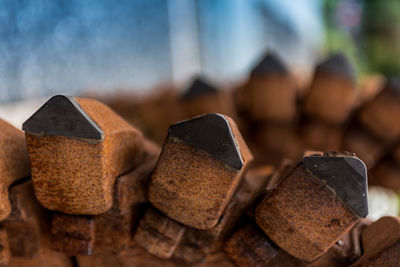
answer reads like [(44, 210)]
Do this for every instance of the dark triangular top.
[(63, 116), (337, 64), (198, 88), (212, 134), (269, 64), (346, 175)]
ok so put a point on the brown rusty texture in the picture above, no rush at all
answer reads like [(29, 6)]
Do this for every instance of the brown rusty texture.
[(191, 185), (202, 97), (380, 115), (111, 232), (14, 163), (197, 244), (346, 250), (332, 94), (72, 234), (158, 234), (270, 93), (114, 228), (249, 246), (76, 175), (304, 216), (27, 224), (381, 243)]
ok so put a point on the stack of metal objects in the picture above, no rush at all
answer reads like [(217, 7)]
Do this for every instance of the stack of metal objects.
[(235, 182)]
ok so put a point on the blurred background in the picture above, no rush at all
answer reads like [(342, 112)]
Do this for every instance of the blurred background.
[(118, 51), (56, 46)]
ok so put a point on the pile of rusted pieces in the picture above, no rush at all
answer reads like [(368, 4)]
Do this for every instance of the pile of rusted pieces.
[(84, 187)]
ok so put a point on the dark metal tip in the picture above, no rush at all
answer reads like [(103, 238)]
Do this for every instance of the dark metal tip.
[(212, 134), (63, 116), (346, 175), (198, 88), (337, 64), (270, 63)]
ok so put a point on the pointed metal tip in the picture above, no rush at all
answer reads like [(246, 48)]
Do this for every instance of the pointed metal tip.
[(212, 134), (62, 116)]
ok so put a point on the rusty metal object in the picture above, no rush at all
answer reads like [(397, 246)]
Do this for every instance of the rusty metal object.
[(346, 250), (320, 200), (381, 243), (158, 234), (270, 93), (379, 116), (200, 166), (72, 234), (202, 97), (77, 148), (249, 246), (196, 244), (27, 224), (14, 163), (333, 93), (109, 233)]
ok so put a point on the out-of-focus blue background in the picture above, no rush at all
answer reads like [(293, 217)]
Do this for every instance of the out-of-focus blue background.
[(58, 46)]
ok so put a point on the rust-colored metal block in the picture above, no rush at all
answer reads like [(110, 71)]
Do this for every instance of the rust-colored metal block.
[(14, 163), (320, 200), (199, 169), (345, 251), (27, 224), (158, 234), (332, 95), (77, 148), (72, 234), (197, 244), (380, 115), (381, 243), (114, 229), (109, 233), (270, 93), (249, 246), (201, 97)]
